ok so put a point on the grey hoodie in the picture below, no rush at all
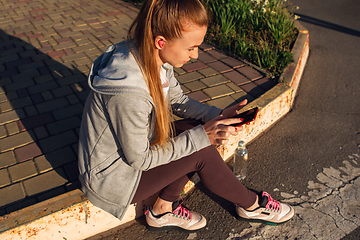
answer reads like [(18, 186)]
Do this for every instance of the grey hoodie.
[(117, 127)]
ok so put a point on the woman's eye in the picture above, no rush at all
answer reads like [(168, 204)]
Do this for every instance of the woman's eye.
[(191, 49)]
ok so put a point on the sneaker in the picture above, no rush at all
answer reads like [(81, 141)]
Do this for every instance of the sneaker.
[(270, 211), (181, 219)]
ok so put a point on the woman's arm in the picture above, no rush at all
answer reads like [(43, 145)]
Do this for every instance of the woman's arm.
[(185, 107), (131, 118)]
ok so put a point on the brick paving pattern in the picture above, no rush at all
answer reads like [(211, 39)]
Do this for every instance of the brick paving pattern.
[(46, 51)]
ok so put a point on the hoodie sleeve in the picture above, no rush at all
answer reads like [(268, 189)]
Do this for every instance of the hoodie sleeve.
[(185, 107), (131, 117)]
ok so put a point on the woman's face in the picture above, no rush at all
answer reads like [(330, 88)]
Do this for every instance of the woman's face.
[(178, 51)]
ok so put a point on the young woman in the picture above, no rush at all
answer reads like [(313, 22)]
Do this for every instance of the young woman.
[(128, 150)]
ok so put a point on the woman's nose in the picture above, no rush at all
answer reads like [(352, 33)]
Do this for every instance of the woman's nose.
[(194, 54)]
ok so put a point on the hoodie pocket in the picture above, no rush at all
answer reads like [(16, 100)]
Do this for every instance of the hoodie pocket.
[(107, 166)]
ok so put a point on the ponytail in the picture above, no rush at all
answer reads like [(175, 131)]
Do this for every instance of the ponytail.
[(165, 18)]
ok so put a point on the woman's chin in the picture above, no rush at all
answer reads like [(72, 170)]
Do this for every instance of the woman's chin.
[(179, 65)]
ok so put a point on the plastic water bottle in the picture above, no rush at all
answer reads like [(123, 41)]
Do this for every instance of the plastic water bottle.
[(240, 161)]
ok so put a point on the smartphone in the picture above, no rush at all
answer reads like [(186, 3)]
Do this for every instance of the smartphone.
[(248, 116)]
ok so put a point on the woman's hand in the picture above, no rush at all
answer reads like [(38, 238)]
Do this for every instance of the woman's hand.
[(218, 130), (233, 110)]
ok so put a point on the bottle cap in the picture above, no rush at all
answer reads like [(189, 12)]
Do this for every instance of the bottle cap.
[(241, 144)]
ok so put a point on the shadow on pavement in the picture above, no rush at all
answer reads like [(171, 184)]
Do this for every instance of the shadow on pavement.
[(41, 102), (325, 24)]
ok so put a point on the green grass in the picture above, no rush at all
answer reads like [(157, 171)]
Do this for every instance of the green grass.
[(261, 32)]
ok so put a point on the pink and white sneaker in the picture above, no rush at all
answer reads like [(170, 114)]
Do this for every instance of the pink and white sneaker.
[(270, 211), (181, 219)]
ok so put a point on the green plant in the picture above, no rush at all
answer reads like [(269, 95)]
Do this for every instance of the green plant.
[(259, 31)]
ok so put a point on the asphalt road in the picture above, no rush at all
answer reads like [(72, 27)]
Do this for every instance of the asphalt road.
[(321, 131)]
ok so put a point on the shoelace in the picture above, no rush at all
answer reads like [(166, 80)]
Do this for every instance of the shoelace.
[(182, 212), (271, 204)]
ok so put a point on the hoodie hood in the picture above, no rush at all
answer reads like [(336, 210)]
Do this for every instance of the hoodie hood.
[(115, 70)]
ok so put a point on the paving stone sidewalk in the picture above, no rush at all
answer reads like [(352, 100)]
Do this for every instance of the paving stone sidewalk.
[(46, 51)]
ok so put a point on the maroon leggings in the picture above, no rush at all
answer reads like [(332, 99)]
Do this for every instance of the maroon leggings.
[(212, 170)]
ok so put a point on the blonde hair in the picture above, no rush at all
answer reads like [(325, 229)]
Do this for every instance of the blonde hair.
[(166, 18)]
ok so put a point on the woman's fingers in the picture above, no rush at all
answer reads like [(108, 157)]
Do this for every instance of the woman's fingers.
[(219, 129), (234, 109), (241, 105), (224, 134), (222, 141)]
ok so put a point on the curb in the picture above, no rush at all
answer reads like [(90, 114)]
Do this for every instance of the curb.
[(279, 100), (72, 216)]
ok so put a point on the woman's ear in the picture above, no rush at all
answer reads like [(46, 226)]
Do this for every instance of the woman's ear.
[(159, 42)]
